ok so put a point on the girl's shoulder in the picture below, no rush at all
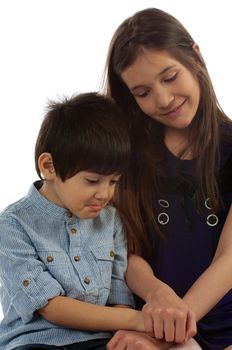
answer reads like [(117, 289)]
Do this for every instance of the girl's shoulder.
[(226, 139), (225, 164), (226, 131)]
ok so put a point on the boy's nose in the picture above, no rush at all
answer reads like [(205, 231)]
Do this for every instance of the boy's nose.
[(104, 192)]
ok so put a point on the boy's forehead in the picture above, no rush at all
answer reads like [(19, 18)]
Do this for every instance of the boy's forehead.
[(92, 173)]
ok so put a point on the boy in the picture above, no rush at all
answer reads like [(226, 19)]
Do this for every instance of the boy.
[(63, 253)]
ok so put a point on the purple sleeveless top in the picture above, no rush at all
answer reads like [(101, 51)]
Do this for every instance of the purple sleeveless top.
[(191, 240)]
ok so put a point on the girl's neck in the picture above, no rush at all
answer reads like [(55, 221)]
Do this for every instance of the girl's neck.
[(176, 140)]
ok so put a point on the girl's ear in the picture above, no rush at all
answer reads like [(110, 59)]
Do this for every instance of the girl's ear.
[(197, 51), (196, 48), (46, 167)]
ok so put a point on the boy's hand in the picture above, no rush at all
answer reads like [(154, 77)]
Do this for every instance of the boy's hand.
[(132, 340), (168, 317)]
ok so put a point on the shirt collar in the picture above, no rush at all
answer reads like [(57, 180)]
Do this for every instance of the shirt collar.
[(43, 203)]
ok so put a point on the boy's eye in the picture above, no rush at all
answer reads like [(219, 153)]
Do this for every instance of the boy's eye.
[(114, 182), (91, 181)]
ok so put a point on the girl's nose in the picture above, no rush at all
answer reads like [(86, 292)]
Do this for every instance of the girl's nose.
[(164, 99)]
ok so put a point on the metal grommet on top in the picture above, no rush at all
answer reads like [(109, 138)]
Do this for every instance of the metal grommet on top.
[(164, 203), (207, 204), (212, 220), (163, 218)]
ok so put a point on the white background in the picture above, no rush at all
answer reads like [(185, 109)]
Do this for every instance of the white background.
[(49, 48)]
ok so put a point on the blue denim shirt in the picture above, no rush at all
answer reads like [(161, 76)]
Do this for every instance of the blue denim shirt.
[(45, 252)]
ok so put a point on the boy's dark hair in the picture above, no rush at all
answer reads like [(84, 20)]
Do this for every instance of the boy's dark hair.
[(84, 133)]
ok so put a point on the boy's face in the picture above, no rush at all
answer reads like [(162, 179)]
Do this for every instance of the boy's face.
[(84, 194)]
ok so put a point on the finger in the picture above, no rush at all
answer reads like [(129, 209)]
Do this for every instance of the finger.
[(131, 341), (120, 346), (116, 346), (148, 323), (143, 345), (169, 330), (180, 328), (111, 345), (158, 327), (191, 326)]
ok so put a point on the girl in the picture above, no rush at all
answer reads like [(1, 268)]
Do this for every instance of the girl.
[(179, 188)]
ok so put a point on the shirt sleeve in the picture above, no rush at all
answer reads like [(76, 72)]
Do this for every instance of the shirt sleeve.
[(24, 277), (119, 292)]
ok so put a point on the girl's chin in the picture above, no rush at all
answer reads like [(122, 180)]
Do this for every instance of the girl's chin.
[(181, 125)]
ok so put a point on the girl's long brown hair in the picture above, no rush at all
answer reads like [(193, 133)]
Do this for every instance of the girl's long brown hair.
[(155, 29)]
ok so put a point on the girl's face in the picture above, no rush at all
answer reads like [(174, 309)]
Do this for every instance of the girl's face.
[(84, 194), (163, 88)]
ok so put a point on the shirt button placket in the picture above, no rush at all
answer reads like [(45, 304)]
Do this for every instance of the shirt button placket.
[(26, 283), (73, 231), (69, 214), (87, 280)]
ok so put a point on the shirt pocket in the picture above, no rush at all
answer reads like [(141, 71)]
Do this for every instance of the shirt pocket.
[(104, 257), (57, 264)]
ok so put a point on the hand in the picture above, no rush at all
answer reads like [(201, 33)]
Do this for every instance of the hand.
[(132, 340), (168, 317), (190, 345)]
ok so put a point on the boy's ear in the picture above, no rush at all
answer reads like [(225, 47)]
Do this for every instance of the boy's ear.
[(46, 167)]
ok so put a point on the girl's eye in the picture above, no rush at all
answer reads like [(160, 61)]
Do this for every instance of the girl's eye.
[(141, 94), (172, 78)]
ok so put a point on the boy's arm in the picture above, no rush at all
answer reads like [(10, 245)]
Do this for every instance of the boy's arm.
[(166, 315), (72, 313)]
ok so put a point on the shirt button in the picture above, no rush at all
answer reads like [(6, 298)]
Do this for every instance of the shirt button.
[(69, 214), (112, 253), (77, 258), (73, 231), (26, 283), (50, 258), (87, 280)]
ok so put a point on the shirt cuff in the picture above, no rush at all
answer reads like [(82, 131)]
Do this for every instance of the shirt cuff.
[(34, 294), (120, 294)]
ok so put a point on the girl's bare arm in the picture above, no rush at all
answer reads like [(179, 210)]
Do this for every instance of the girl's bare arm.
[(216, 281)]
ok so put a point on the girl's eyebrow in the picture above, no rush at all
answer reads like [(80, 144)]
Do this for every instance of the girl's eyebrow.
[(160, 73), (166, 69)]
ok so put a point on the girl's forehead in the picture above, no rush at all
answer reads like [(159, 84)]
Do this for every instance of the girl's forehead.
[(159, 56), (156, 59), (150, 62)]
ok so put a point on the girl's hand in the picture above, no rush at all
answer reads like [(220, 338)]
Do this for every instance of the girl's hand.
[(168, 317), (132, 340)]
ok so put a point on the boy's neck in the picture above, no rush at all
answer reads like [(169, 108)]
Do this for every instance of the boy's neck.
[(47, 191)]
